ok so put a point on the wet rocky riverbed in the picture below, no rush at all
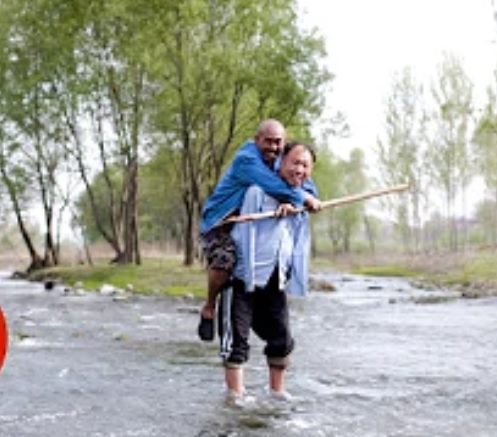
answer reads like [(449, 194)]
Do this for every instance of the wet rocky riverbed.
[(376, 357)]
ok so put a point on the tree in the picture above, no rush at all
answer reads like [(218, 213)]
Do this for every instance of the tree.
[(95, 90), (31, 137), (400, 155), (327, 177), (485, 145), (114, 93), (448, 154), (344, 221), (353, 181), (233, 64), (486, 214)]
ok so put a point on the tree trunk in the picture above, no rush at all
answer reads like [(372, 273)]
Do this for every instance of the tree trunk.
[(36, 261), (130, 223), (369, 234), (190, 234)]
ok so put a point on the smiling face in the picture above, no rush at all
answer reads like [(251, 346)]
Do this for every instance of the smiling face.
[(296, 165), (270, 138)]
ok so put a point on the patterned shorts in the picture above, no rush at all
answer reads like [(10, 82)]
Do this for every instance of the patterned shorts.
[(219, 248)]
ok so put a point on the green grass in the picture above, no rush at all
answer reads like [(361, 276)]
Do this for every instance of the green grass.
[(386, 270), (473, 271), (170, 277), (476, 270), (360, 266), (152, 277)]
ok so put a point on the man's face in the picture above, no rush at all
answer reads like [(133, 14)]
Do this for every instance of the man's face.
[(296, 166), (270, 142)]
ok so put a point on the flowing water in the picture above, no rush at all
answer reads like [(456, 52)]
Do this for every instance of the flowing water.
[(377, 357)]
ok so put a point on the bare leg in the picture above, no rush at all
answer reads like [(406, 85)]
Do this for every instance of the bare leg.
[(234, 379), (216, 279), (277, 379)]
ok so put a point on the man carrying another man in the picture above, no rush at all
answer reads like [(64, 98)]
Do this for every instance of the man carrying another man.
[(253, 164), (272, 259)]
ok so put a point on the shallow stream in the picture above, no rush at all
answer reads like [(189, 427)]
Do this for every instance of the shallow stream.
[(376, 358)]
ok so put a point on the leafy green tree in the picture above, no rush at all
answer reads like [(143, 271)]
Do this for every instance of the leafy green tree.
[(114, 93), (31, 138), (95, 90), (344, 221), (85, 204), (354, 181), (400, 154), (160, 213), (486, 214), (485, 145), (449, 155), (327, 177), (232, 64)]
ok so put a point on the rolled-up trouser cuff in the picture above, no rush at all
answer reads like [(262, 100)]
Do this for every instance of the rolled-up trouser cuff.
[(232, 365), (278, 363)]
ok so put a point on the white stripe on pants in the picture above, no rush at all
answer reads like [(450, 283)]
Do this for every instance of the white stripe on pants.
[(227, 331)]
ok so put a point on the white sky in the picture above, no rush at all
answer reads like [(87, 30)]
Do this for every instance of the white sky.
[(370, 40)]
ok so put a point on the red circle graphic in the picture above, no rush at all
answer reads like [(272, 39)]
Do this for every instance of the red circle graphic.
[(3, 338)]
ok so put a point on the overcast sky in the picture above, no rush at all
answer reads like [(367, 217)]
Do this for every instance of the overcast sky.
[(368, 41)]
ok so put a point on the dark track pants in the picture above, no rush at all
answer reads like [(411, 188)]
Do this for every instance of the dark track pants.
[(265, 311)]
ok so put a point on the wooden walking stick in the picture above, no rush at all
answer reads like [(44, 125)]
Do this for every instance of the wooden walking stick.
[(325, 204)]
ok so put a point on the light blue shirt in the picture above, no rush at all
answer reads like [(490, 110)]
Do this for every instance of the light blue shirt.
[(263, 244)]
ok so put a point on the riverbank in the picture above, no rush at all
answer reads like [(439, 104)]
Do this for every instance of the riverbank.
[(167, 276), (473, 274)]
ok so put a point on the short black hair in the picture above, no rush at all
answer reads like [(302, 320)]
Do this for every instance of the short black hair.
[(289, 146)]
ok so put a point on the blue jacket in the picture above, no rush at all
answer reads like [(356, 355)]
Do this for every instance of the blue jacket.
[(262, 245), (248, 168)]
